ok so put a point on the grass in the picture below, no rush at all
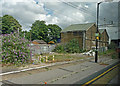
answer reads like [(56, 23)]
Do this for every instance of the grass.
[(64, 57), (109, 53), (59, 57)]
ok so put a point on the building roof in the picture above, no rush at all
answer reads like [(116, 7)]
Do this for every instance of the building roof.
[(101, 30), (38, 42), (77, 27), (113, 33)]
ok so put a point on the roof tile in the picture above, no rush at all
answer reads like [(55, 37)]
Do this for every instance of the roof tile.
[(78, 27)]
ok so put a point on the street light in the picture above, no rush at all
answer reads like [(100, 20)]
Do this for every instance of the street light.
[(97, 32)]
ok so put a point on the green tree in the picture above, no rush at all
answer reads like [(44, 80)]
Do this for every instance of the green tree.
[(39, 30), (0, 25), (26, 34), (10, 24), (54, 32)]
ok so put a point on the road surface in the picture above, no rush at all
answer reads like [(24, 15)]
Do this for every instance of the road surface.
[(74, 74)]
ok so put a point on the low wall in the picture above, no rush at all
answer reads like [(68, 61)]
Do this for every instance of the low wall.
[(42, 48)]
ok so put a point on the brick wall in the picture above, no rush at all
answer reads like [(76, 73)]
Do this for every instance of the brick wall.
[(104, 39), (90, 37), (67, 36)]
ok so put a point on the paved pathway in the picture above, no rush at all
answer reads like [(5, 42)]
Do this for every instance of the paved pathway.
[(116, 79), (64, 75)]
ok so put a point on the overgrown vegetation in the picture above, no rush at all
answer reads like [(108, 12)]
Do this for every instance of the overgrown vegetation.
[(111, 52), (15, 50), (112, 46), (15, 47), (57, 57), (71, 47)]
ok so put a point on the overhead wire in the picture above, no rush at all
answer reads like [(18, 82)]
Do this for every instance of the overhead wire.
[(101, 18), (83, 9), (57, 12), (110, 6)]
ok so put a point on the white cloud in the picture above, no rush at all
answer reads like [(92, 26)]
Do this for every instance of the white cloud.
[(40, 17), (86, 6), (24, 11), (27, 11), (55, 20)]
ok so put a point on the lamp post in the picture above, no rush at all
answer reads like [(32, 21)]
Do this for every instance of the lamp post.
[(97, 32)]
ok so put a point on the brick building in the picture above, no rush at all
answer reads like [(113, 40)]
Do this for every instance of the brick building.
[(84, 33), (104, 38)]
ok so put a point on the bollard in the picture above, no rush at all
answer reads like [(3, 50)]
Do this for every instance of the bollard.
[(53, 58), (46, 59), (40, 58)]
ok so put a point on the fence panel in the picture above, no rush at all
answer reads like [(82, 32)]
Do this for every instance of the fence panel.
[(42, 48)]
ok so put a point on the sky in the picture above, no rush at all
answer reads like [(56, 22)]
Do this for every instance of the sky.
[(60, 12)]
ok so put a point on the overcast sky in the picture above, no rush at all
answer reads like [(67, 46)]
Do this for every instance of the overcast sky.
[(60, 12)]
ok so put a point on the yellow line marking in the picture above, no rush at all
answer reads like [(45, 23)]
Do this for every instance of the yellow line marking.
[(99, 75)]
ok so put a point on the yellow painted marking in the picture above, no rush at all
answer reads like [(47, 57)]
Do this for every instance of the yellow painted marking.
[(99, 75)]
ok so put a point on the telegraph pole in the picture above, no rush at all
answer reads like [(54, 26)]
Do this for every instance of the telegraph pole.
[(97, 34)]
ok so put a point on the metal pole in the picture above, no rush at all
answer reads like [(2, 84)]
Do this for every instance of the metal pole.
[(24, 34), (18, 32), (30, 36), (96, 52)]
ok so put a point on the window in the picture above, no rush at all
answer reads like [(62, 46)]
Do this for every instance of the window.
[(75, 33), (80, 33)]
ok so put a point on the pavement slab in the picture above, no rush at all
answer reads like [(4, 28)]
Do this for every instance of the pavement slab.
[(64, 75)]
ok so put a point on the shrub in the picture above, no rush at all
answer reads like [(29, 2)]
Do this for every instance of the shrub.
[(15, 50), (71, 47), (112, 46), (59, 49)]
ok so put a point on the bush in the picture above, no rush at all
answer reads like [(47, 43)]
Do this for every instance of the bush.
[(59, 49), (15, 50), (71, 47), (112, 46)]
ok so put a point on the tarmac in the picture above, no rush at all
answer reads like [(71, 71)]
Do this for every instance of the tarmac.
[(65, 75)]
